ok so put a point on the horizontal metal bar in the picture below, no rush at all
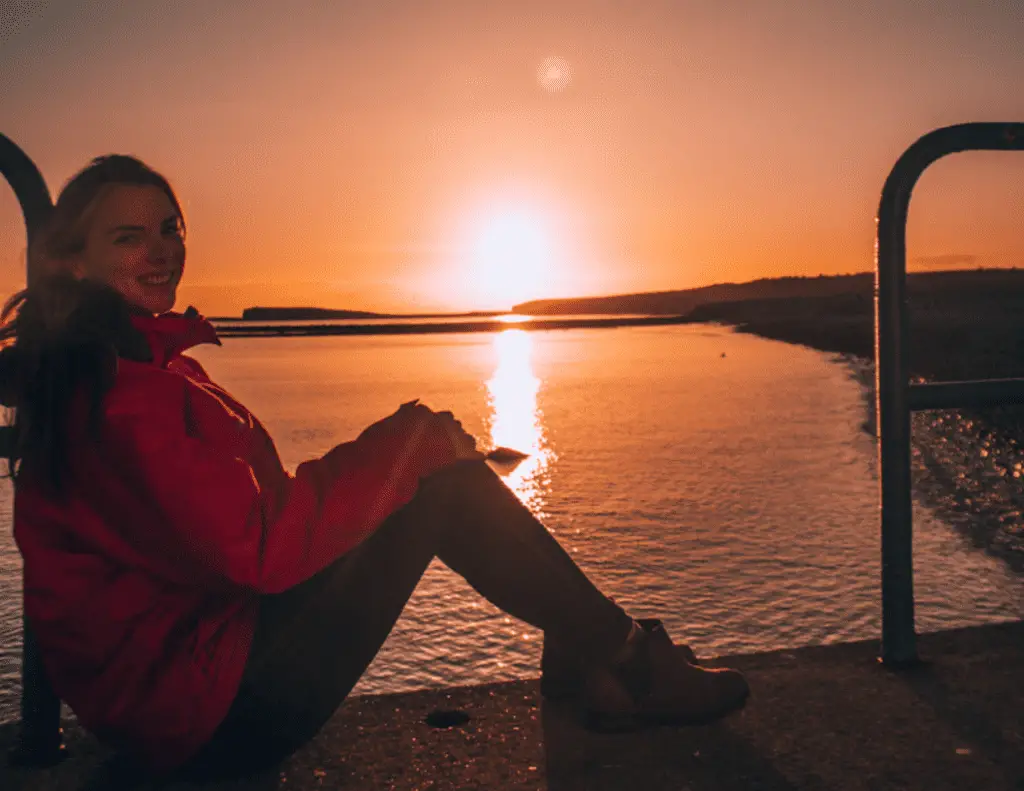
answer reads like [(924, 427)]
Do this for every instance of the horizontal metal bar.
[(956, 395)]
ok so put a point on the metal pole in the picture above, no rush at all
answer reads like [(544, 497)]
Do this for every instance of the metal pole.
[(29, 188), (899, 643), (40, 742)]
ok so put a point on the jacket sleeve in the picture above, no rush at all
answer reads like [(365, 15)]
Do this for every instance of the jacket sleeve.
[(206, 509)]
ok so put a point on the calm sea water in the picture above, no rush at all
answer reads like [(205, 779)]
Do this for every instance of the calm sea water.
[(719, 481)]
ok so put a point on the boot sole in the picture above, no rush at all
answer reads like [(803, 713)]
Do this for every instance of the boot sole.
[(560, 691), (563, 689), (603, 722)]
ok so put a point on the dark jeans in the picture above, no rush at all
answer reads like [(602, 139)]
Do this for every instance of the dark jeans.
[(314, 641)]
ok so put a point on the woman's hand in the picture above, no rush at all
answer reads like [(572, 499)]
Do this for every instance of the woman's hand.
[(416, 419), (464, 442), (445, 423)]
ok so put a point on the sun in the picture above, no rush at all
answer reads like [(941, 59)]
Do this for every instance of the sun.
[(510, 257)]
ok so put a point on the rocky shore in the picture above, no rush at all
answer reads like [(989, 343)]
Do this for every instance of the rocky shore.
[(967, 465)]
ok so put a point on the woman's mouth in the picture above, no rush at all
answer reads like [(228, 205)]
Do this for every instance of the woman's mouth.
[(157, 280)]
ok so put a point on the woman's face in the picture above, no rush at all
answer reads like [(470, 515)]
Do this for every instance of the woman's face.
[(135, 244)]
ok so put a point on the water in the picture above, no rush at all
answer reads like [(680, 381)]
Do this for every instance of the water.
[(733, 496)]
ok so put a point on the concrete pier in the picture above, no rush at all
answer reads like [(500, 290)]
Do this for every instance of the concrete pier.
[(821, 718)]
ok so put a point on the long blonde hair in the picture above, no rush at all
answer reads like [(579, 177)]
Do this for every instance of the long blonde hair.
[(62, 332)]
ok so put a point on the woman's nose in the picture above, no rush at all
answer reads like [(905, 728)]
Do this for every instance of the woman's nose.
[(159, 251)]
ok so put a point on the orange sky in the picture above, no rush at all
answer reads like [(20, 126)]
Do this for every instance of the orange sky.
[(416, 155)]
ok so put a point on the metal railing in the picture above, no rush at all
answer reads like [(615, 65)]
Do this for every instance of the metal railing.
[(40, 741), (896, 397)]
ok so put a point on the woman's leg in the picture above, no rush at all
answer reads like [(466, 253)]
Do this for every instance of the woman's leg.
[(314, 641)]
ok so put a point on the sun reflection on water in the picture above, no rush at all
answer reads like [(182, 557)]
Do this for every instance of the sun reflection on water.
[(515, 418)]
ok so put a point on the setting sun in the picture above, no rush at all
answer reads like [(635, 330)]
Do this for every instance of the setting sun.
[(510, 257)]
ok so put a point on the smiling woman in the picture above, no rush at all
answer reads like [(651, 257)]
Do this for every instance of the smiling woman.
[(228, 614), (136, 244), (510, 258), (118, 223)]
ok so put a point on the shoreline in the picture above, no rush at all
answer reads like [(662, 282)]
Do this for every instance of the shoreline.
[(966, 465), (436, 328)]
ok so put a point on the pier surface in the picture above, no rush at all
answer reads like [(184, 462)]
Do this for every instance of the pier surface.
[(821, 719)]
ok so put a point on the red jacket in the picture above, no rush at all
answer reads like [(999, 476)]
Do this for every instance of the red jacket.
[(143, 587)]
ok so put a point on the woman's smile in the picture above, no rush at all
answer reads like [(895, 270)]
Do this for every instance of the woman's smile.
[(161, 279)]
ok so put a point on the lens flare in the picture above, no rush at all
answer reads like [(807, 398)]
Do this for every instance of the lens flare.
[(554, 74)]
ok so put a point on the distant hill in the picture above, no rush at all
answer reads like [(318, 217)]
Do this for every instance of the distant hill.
[(964, 324), (305, 314), (685, 300), (314, 314), (847, 294), (974, 283)]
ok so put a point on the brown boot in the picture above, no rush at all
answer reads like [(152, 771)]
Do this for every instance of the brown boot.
[(562, 670), (658, 684)]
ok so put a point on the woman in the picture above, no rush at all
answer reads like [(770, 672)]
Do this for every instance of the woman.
[(198, 606)]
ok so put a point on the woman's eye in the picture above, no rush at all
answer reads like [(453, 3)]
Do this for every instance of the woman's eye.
[(128, 237), (174, 230)]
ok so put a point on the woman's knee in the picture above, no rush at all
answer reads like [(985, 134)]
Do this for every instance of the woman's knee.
[(468, 489), (462, 477), (439, 502)]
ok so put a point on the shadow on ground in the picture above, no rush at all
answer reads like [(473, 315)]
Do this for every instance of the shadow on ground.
[(820, 718)]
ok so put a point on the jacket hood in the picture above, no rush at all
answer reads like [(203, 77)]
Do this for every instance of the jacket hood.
[(133, 334), (169, 334)]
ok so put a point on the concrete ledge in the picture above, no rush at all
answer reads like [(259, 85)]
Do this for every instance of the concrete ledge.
[(820, 718)]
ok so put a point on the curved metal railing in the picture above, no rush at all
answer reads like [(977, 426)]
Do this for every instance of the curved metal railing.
[(40, 742), (896, 397)]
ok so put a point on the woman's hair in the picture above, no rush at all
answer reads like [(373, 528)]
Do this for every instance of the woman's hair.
[(63, 333)]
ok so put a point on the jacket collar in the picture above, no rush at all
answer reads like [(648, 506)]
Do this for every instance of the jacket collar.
[(169, 334)]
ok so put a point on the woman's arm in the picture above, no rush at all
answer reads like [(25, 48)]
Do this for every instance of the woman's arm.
[(221, 524)]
